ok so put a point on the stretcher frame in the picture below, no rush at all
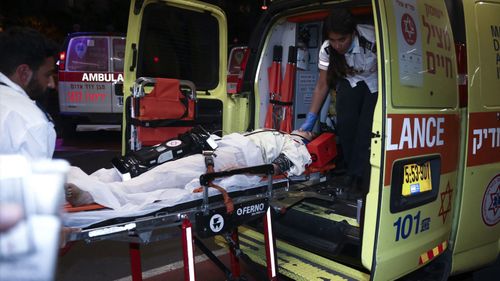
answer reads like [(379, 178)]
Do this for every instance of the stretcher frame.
[(194, 217)]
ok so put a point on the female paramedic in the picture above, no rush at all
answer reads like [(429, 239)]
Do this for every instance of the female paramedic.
[(348, 64), (176, 179)]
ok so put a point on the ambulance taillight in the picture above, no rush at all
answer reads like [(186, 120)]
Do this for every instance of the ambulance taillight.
[(62, 60), (238, 59)]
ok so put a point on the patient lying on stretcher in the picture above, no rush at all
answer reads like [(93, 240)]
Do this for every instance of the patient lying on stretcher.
[(287, 153)]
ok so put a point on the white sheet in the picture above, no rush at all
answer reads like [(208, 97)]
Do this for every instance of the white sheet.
[(85, 219), (171, 183)]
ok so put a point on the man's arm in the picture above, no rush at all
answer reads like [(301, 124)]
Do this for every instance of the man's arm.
[(281, 164)]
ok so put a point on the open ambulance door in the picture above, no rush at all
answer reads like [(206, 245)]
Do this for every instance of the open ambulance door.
[(477, 231), (185, 40), (409, 206)]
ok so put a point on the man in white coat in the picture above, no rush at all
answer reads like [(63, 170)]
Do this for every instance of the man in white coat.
[(287, 153), (27, 67)]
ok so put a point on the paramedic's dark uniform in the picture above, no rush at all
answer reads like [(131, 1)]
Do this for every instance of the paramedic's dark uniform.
[(356, 99)]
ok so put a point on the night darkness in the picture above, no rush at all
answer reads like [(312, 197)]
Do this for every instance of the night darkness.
[(56, 18)]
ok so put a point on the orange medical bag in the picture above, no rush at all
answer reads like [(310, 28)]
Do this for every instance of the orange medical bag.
[(322, 149)]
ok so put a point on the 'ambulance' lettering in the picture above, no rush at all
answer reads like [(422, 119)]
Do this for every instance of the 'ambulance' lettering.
[(101, 77), (416, 133)]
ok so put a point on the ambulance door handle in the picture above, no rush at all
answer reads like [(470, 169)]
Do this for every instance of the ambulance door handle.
[(134, 57)]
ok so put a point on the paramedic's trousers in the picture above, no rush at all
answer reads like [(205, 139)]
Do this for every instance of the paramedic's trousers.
[(355, 108)]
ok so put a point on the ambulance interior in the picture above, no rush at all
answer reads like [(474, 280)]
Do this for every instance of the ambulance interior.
[(329, 221)]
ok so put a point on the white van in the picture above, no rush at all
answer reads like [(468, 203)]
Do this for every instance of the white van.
[(89, 67)]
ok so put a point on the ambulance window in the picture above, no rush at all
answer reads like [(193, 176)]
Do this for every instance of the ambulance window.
[(118, 54), (178, 43), (88, 54)]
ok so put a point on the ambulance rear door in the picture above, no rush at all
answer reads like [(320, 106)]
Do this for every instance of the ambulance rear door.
[(415, 145), (477, 229), (185, 40)]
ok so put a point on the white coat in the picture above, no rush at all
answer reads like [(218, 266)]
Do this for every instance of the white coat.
[(24, 128)]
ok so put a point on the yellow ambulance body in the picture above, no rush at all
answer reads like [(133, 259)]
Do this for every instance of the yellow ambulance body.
[(434, 194)]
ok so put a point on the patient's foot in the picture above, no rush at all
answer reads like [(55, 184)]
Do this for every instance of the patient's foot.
[(77, 197)]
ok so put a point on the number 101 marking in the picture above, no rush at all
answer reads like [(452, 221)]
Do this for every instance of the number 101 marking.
[(405, 225)]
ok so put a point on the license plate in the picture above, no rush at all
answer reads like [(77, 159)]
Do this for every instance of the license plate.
[(416, 178)]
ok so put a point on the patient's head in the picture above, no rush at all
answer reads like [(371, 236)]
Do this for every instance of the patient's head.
[(304, 135)]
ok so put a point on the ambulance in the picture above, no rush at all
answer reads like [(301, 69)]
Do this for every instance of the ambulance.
[(432, 207), (90, 65)]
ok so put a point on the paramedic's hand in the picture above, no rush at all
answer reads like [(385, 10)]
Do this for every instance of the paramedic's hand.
[(310, 121)]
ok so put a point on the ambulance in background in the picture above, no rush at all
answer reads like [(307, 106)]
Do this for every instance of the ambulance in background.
[(432, 207), (89, 67)]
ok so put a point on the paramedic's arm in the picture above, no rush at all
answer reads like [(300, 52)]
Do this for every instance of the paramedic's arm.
[(320, 92), (35, 140), (39, 141), (319, 95)]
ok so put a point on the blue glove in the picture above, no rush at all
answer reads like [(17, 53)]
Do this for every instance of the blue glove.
[(309, 123)]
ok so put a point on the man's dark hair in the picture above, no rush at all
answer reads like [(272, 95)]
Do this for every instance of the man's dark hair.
[(22, 45), (339, 21)]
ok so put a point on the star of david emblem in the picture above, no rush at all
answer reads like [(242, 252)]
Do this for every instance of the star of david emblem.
[(495, 201), (445, 201)]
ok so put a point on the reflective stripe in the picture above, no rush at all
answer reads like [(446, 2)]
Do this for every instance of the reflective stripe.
[(270, 242), (189, 240), (434, 252)]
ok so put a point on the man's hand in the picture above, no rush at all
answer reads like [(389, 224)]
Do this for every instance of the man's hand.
[(277, 170), (10, 215), (310, 122)]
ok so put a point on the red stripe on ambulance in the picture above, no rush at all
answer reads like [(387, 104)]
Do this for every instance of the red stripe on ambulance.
[(411, 135)]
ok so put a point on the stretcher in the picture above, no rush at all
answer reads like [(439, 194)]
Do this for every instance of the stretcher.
[(204, 214), (201, 216)]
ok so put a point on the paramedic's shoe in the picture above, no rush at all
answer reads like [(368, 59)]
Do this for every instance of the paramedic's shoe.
[(77, 197)]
